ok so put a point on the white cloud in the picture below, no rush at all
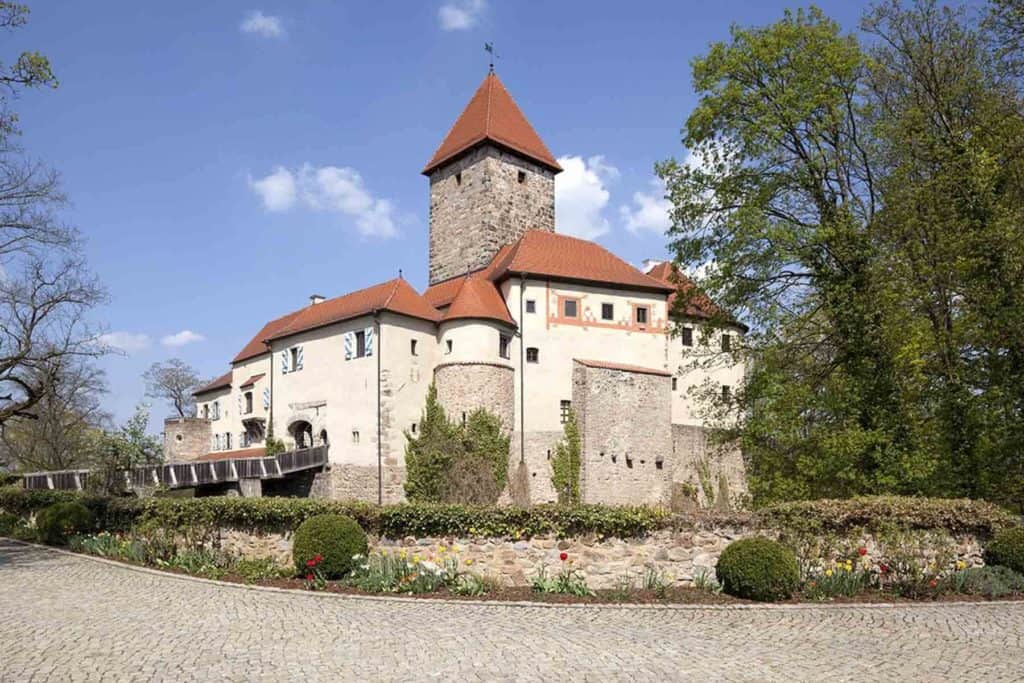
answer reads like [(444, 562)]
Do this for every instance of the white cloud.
[(581, 196), (337, 189), (649, 210), (261, 24), (459, 15), (277, 190), (128, 342), (181, 338)]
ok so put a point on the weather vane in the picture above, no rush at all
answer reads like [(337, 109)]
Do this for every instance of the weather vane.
[(489, 47)]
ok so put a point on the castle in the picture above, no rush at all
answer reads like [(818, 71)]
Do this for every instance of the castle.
[(517, 319)]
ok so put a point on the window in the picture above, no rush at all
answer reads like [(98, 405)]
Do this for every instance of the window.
[(607, 312), (413, 428), (687, 336), (565, 407), (641, 315), (412, 347), (532, 355), (294, 359), (243, 440), (355, 436), (531, 306), (360, 343), (675, 383), (522, 177), (570, 307), (216, 410), (248, 402), (216, 442), (503, 345), (726, 392), (726, 342), (448, 346), (227, 441), (206, 411), (458, 178)]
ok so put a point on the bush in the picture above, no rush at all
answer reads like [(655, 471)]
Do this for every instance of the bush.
[(758, 569), (990, 582), (335, 537), (1007, 549), (61, 520)]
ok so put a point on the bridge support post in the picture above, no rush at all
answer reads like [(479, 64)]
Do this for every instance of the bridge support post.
[(251, 487)]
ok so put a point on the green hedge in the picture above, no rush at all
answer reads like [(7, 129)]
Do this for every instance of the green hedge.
[(397, 521)]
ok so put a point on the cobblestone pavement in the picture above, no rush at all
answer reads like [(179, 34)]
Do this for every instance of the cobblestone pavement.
[(68, 618)]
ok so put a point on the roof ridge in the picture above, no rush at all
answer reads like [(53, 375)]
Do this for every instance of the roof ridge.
[(394, 290)]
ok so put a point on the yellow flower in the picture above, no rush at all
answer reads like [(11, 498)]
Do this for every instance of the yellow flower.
[(441, 548), (402, 553), (960, 564), (828, 572), (416, 559), (469, 561)]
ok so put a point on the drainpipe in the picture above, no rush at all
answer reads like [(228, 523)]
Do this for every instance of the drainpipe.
[(522, 369), (380, 452)]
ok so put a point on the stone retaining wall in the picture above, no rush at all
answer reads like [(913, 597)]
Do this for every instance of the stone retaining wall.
[(680, 555)]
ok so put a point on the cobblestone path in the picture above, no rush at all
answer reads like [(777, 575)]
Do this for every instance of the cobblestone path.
[(67, 618)]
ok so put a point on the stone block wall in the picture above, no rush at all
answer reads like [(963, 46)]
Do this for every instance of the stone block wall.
[(359, 482), (715, 472), (465, 387), (625, 427), (478, 205), (186, 438), (529, 472)]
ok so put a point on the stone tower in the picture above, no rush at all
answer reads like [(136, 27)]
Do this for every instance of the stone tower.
[(491, 180)]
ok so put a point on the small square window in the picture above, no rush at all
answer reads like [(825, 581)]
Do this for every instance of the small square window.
[(504, 342), (687, 334), (412, 347), (531, 306), (565, 408), (641, 315), (607, 312), (726, 342), (522, 177), (532, 355), (448, 346), (675, 383), (571, 308)]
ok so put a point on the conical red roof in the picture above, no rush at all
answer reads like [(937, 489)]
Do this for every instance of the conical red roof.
[(492, 115), (478, 298)]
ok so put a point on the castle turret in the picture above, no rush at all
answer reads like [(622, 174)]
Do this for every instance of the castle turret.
[(491, 180)]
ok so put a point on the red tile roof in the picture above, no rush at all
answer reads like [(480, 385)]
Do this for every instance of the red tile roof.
[(478, 298), (240, 454), (699, 305), (492, 115), (620, 366), (257, 345), (549, 254), (222, 382), (252, 380), (395, 295)]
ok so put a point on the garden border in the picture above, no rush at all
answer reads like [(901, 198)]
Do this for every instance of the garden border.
[(510, 603)]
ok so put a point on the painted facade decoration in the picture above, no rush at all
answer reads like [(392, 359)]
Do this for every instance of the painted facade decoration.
[(517, 318)]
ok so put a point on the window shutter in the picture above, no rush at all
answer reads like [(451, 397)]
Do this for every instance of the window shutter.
[(284, 362), (350, 342), (239, 404), (298, 358), (369, 341), (266, 398)]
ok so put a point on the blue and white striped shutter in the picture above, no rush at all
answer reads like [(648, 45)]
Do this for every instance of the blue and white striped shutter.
[(266, 398), (284, 362), (369, 341), (298, 358), (350, 339)]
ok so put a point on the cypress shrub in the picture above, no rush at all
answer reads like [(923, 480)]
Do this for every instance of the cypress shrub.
[(61, 520)]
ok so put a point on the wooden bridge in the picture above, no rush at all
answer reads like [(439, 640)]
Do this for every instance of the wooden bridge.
[(178, 475)]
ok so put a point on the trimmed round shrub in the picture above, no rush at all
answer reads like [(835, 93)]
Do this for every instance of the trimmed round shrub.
[(62, 520), (758, 568), (336, 538), (1006, 549)]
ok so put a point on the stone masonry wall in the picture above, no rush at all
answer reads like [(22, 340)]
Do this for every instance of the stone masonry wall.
[(625, 427), (478, 205), (716, 473), (186, 438), (465, 387), (359, 482), (680, 555)]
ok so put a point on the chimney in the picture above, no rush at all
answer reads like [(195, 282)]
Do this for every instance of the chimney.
[(650, 263), (315, 299)]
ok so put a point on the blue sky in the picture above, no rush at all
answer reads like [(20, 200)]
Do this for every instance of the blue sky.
[(225, 160)]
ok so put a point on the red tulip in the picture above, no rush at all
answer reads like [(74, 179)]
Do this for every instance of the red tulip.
[(309, 577), (563, 557), (862, 551), (883, 568)]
